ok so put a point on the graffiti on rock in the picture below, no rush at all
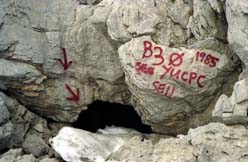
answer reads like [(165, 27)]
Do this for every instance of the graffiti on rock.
[(170, 68)]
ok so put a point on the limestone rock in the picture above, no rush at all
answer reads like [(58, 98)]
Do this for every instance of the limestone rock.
[(170, 85), (35, 145), (49, 160), (4, 113), (233, 110), (213, 142), (6, 132), (236, 13), (11, 155), (90, 32), (207, 21), (26, 158), (78, 145), (21, 123), (31, 37), (16, 156)]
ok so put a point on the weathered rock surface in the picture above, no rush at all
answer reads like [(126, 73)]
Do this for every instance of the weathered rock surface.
[(32, 34), (233, 110), (214, 142), (31, 37), (19, 124), (211, 143), (170, 85), (77, 145), (17, 155), (236, 14), (35, 145)]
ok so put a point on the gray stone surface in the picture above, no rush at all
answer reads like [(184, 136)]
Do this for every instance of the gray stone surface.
[(11, 155), (21, 123), (233, 110), (236, 13), (4, 113), (49, 160), (35, 145), (32, 34), (6, 133), (211, 143), (16, 155), (214, 142), (166, 92), (26, 158)]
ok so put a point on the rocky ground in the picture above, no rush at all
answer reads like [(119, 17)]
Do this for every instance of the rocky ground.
[(214, 142)]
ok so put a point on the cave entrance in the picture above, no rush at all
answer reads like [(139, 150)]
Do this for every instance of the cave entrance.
[(101, 114)]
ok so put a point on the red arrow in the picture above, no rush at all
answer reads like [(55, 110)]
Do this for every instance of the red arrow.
[(74, 97), (65, 64)]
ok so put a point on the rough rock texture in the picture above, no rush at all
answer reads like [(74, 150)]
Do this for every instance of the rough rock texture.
[(17, 155), (174, 85), (236, 14), (21, 123), (233, 110), (35, 145), (214, 142), (211, 143), (35, 37), (31, 36), (77, 145)]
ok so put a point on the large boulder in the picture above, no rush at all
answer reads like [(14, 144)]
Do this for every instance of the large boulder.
[(170, 86)]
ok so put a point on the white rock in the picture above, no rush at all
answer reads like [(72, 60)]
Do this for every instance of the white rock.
[(77, 145)]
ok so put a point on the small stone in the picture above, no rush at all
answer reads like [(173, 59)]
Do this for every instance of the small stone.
[(35, 145)]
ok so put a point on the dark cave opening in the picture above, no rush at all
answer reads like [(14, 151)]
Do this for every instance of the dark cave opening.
[(101, 114)]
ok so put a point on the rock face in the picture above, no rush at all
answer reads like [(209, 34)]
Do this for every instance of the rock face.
[(236, 13), (170, 85), (17, 123), (60, 56), (233, 110)]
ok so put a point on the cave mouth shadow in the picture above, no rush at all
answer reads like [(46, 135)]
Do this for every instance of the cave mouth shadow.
[(101, 114)]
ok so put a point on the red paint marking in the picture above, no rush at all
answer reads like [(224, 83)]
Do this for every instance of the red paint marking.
[(159, 56), (163, 88), (207, 59), (147, 47), (149, 51), (143, 68), (187, 77), (74, 96), (176, 59), (65, 64)]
